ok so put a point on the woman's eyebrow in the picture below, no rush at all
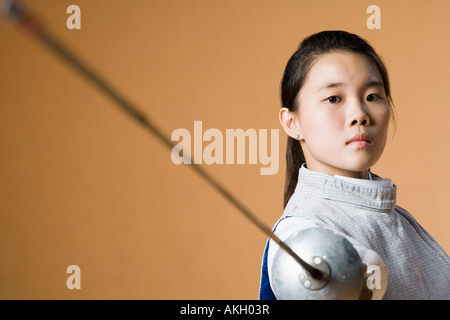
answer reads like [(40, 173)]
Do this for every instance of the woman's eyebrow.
[(331, 85), (374, 83)]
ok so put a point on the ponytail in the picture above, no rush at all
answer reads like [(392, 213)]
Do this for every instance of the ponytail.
[(294, 160)]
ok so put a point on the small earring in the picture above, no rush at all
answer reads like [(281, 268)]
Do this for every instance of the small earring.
[(296, 136)]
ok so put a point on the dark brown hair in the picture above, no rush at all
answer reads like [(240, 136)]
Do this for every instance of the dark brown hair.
[(294, 77)]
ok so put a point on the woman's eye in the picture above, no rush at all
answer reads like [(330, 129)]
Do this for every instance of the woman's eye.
[(373, 97), (333, 99)]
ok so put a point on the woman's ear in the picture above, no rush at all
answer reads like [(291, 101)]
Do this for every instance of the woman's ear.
[(290, 124)]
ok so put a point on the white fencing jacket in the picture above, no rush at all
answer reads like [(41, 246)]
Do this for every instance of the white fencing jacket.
[(412, 263)]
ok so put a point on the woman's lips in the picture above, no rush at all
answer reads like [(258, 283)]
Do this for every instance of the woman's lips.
[(360, 140), (360, 144)]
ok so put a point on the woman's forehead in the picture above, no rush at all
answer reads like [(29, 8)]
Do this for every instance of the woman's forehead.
[(342, 69)]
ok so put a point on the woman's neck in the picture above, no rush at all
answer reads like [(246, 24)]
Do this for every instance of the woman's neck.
[(332, 171)]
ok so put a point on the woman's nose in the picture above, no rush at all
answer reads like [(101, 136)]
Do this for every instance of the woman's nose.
[(358, 115)]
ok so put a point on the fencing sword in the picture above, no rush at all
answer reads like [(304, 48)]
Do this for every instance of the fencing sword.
[(34, 27)]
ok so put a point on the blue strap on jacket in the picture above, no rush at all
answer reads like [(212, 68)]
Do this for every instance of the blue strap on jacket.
[(265, 290)]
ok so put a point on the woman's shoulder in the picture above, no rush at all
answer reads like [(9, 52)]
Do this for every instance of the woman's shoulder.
[(305, 209), (301, 205)]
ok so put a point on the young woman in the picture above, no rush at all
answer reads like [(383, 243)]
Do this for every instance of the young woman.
[(336, 110)]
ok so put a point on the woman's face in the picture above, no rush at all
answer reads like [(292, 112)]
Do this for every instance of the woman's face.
[(343, 115)]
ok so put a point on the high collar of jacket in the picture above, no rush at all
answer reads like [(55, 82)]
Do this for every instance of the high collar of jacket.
[(331, 188)]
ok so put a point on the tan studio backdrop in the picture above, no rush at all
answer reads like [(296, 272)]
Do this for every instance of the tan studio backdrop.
[(82, 184)]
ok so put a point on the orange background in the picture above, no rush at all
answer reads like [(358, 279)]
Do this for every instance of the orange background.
[(80, 183)]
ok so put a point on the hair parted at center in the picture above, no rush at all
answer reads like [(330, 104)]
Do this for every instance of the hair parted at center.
[(294, 77)]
